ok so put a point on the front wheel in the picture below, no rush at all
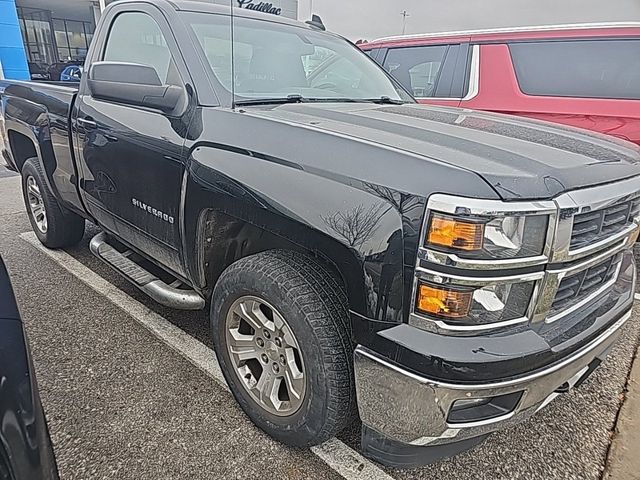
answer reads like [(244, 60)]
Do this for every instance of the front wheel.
[(54, 225), (280, 328)]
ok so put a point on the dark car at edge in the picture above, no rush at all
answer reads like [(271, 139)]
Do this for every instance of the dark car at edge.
[(26, 452)]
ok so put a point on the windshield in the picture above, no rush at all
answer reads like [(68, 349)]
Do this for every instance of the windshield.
[(274, 60)]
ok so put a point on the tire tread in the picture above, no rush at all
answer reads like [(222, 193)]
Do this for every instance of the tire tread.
[(64, 228), (316, 292)]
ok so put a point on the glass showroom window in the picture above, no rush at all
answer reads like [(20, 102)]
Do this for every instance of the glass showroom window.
[(72, 38), (36, 34)]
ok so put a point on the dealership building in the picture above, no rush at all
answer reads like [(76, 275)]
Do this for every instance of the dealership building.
[(40, 38)]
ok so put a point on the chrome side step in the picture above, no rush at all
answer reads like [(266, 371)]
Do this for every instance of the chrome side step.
[(167, 295)]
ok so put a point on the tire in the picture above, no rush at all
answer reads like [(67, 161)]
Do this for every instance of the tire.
[(313, 306), (45, 446), (54, 225)]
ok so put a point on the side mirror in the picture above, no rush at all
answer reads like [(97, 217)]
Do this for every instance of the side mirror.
[(133, 84)]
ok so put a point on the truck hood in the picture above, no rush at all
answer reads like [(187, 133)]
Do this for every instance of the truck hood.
[(518, 158)]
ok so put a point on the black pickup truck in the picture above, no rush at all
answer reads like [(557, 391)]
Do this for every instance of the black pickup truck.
[(444, 273)]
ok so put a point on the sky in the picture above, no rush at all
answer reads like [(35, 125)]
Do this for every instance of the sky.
[(371, 19)]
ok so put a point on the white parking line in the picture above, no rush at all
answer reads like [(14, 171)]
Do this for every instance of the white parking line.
[(340, 457), (637, 296)]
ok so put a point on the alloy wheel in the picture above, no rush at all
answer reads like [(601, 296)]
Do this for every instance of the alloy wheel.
[(265, 355), (36, 204)]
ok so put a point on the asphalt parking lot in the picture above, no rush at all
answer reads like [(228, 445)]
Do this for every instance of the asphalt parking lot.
[(131, 391)]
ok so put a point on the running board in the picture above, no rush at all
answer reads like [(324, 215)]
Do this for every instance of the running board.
[(167, 295)]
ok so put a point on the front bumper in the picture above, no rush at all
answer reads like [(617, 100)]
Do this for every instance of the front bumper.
[(403, 412)]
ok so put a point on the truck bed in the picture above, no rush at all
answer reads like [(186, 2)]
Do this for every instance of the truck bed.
[(40, 111), (56, 98)]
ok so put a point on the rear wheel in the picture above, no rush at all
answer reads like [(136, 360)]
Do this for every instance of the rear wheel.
[(54, 225), (279, 324)]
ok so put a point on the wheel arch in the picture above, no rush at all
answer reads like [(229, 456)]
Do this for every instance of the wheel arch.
[(25, 144), (22, 148), (28, 130), (239, 238)]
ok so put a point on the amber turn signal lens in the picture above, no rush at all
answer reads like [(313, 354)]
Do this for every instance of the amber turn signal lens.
[(454, 233), (443, 302)]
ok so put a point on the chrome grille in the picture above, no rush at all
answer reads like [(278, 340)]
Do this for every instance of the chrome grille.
[(579, 286), (591, 227)]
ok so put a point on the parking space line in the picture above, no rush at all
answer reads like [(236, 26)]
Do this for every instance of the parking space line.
[(637, 296), (350, 464)]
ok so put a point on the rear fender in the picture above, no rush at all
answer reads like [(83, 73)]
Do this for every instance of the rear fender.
[(33, 124)]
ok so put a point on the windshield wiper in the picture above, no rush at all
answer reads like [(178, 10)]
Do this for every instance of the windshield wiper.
[(273, 101), (384, 100), (381, 100), (295, 98)]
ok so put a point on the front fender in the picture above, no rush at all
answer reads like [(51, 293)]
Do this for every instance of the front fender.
[(240, 203)]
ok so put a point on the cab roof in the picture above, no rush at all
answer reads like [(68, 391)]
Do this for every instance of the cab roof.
[(201, 6)]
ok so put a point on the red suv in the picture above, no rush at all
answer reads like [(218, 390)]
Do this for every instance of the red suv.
[(586, 76)]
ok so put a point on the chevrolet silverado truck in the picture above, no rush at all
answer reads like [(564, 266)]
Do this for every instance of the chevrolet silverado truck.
[(443, 273)]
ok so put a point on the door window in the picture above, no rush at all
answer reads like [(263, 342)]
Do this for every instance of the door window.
[(417, 68), (584, 68), (136, 38)]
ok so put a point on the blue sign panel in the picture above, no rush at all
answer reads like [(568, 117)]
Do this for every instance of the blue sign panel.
[(12, 54)]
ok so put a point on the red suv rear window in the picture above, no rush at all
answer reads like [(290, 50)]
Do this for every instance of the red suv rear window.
[(580, 68)]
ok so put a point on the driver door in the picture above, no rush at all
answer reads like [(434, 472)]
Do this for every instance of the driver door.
[(131, 157)]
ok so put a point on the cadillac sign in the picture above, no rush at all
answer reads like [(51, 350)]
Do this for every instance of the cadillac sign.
[(263, 7), (283, 8)]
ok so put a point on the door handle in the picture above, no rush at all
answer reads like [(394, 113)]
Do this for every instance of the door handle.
[(87, 124)]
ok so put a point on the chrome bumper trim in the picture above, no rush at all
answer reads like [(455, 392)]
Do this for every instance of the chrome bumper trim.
[(412, 409), (507, 383)]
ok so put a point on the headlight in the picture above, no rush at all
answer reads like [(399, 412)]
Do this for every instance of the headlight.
[(474, 307), (444, 302), (480, 263), (488, 238)]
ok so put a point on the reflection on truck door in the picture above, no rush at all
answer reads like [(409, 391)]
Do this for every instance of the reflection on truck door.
[(132, 156)]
